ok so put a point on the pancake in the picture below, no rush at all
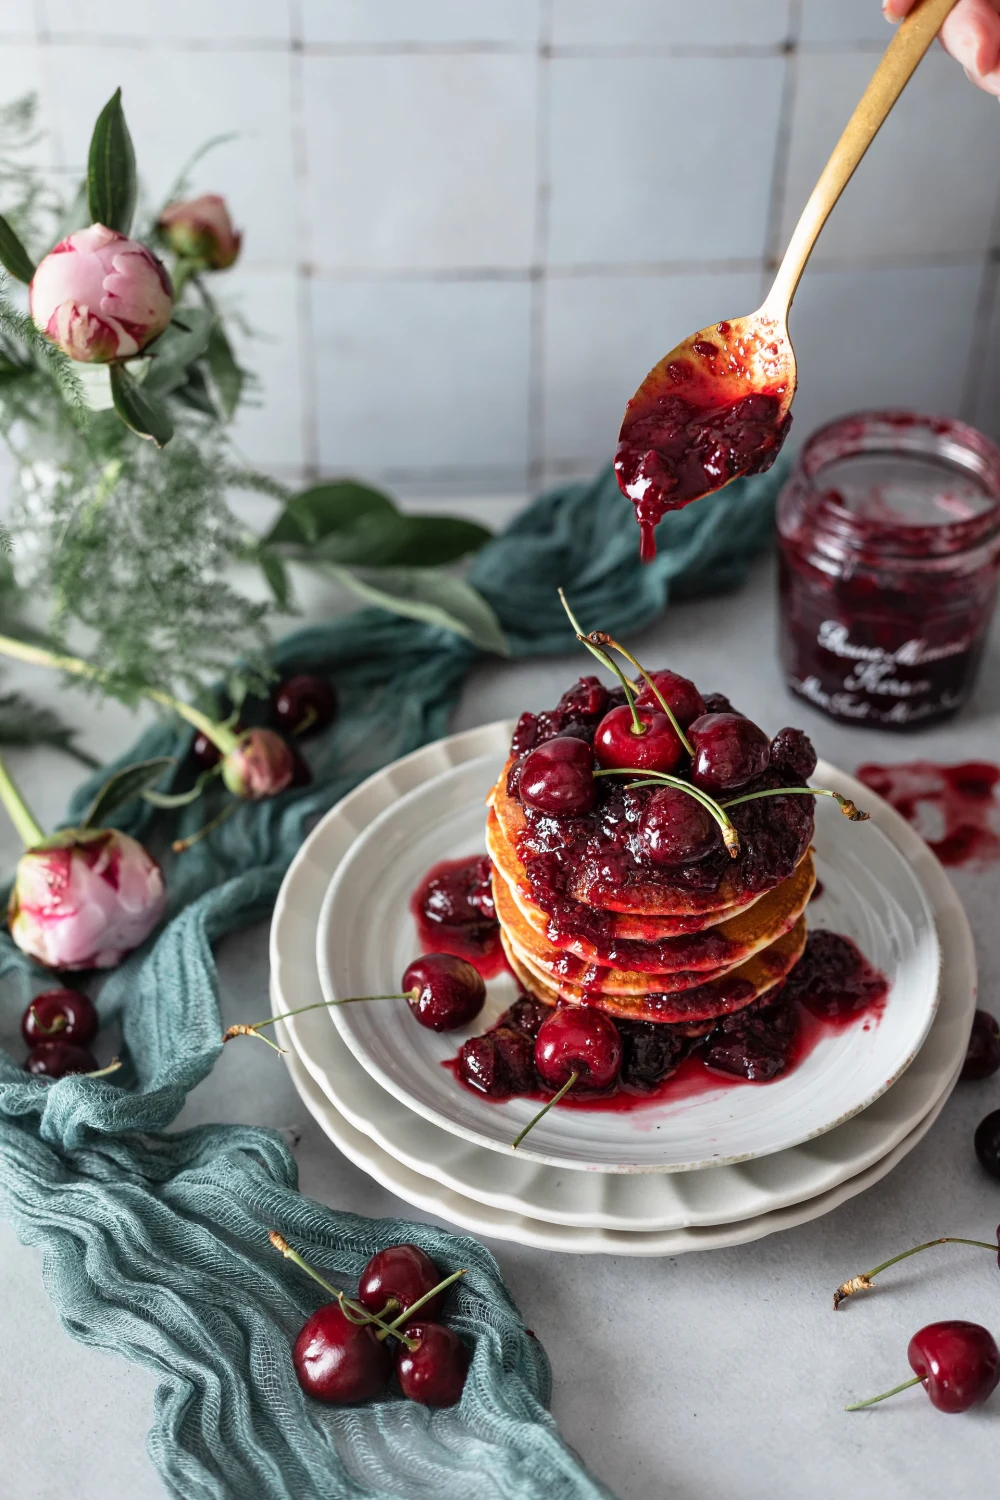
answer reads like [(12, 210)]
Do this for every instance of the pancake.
[(707, 1001), (632, 926), (597, 867), (637, 967)]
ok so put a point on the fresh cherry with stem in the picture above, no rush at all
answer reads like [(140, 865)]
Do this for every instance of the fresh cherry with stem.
[(675, 829), (60, 1015), (397, 1278), (728, 751), (575, 1044), (644, 778), (863, 1282), (60, 1059), (433, 1373), (670, 689), (957, 1363), (982, 1056), (303, 704), (443, 992), (557, 777)]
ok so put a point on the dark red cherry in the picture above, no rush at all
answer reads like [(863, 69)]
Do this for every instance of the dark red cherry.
[(204, 752), (578, 1039), (58, 1059), (618, 747), (792, 752), (729, 751), (449, 991), (987, 1143), (557, 778), (499, 1064), (60, 1016), (339, 1361), (675, 829), (679, 693), (982, 1056), (958, 1362), (433, 1373), (303, 705), (397, 1277)]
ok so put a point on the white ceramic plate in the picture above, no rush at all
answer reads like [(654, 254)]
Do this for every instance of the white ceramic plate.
[(367, 936), (432, 1197), (591, 1200)]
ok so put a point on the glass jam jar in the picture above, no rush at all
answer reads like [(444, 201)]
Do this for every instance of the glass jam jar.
[(889, 537)]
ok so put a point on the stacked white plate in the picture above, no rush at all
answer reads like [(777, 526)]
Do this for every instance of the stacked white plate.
[(720, 1168)]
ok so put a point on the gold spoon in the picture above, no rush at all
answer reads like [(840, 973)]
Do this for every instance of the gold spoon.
[(717, 406)]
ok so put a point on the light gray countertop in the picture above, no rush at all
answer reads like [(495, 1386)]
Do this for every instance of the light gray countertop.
[(716, 1376)]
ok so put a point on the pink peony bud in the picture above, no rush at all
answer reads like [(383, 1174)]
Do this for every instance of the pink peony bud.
[(85, 898), (201, 230), (101, 296), (261, 764)]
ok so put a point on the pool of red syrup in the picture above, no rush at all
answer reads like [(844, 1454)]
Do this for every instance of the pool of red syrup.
[(472, 936), (960, 800)]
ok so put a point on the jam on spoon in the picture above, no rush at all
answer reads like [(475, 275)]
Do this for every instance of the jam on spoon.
[(717, 406)]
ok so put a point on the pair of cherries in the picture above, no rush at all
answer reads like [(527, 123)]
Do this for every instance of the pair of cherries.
[(342, 1354), (301, 705), (59, 1026)]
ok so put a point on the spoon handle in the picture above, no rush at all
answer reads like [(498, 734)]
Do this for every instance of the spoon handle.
[(912, 39)]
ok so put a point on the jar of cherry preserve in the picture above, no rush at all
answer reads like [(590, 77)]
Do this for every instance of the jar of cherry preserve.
[(889, 533)]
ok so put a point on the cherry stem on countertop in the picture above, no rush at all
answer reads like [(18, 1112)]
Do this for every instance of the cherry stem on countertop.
[(221, 736), (606, 661), (362, 1315), (544, 1110), (28, 830), (241, 1029), (407, 1313), (863, 1282), (181, 846), (601, 638), (730, 837), (848, 808), (858, 1405)]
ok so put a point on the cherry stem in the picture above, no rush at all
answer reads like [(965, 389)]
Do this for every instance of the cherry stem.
[(730, 837), (308, 720), (407, 1313), (863, 1282), (254, 1030), (59, 1023), (181, 846), (599, 638), (221, 736), (545, 1109), (857, 1405), (112, 1067), (346, 1303), (20, 814), (848, 808), (638, 727)]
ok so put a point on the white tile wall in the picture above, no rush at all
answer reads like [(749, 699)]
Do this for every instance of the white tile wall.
[(471, 227)]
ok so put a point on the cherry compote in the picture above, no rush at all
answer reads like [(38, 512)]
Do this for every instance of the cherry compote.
[(303, 704), (454, 912), (675, 828), (444, 992), (729, 752), (982, 1056), (339, 1361), (578, 1039), (834, 980), (501, 1062), (434, 1372), (60, 1015), (397, 1277), (655, 746)]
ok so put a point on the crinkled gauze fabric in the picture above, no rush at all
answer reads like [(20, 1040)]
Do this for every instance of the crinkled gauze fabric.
[(155, 1241)]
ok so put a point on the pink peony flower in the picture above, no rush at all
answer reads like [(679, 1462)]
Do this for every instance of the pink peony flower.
[(261, 764), (201, 229), (101, 296), (84, 899)]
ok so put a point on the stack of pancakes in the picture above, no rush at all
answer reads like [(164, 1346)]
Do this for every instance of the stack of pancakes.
[(658, 952)]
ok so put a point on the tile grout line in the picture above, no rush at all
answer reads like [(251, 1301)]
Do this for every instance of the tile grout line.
[(538, 303), (300, 170)]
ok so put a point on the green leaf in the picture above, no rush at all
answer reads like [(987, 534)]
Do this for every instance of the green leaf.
[(177, 347), (13, 254), (326, 507), (111, 183), (384, 540), (274, 570), (23, 723), (181, 799), (195, 392), (131, 781), (428, 595), (226, 373), (146, 416)]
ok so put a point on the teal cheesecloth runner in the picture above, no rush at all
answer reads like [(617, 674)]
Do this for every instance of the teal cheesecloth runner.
[(155, 1242)]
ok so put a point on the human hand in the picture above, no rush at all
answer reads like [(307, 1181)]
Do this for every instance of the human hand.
[(971, 34)]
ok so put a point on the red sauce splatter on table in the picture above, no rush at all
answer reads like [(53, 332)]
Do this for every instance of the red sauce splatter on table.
[(454, 912), (960, 800)]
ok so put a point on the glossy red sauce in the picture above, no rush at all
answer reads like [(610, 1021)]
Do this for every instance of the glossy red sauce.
[(955, 808), (454, 912)]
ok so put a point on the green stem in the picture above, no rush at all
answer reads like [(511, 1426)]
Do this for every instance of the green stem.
[(848, 808), (606, 661), (544, 1110), (220, 735), (863, 1282), (18, 811), (730, 837), (181, 846), (243, 1030), (407, 1313), (857, 1405), (284, 1248), (112, 1067), (600, 638)]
